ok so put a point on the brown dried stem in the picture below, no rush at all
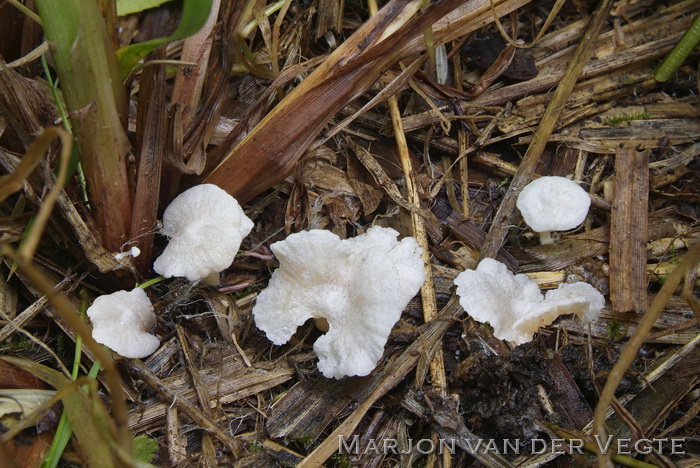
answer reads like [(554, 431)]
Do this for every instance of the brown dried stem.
[(153, 122), (391, 375)]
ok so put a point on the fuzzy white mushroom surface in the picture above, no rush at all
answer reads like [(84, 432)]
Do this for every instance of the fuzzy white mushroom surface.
[(360, 286), (206, 226), (122, 321), (513, 304), (578, 298), (553, 204)]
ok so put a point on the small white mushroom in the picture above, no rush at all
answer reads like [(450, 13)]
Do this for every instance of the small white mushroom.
[(122, 321), (133, 252), (513, 304), (553, 204), (360, 286), (206, 226)]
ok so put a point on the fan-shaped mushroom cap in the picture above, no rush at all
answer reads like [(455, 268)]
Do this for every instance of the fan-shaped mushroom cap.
[(513, 304), (579, 298), (122, 321), (360, 286), (553, 204), (206, 226)]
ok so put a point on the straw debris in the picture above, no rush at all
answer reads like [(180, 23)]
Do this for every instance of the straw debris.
[(418, 116)]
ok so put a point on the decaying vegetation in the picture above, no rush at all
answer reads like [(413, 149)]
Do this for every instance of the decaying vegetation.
[(426, 117)]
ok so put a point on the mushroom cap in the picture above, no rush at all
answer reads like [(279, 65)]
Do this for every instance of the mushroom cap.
[(553, 204), (206, 226), (492, 294), (360, 286), (121, 321), (513, 304), (578, 298)]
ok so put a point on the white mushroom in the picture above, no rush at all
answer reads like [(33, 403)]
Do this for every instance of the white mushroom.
[(553, 204), (206, 226), (360, 286), (513, 304), (122, 321), (578, 298)]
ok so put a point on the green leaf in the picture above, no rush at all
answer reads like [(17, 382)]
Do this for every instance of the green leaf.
[(144, 448), (127, 7), (194, 15)]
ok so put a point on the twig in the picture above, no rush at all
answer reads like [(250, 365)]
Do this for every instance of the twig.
[(437, 366)]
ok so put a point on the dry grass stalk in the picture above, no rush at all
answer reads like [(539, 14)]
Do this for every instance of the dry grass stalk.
[(452, 428), (680, 356), (13, 182), (189, 82), (177, 440), (650, 407), (208, 450), (233, 381), (462, 141), (628, 232), (152, 122), (189, 131), (437, 366), (194, 413), (25, 316)]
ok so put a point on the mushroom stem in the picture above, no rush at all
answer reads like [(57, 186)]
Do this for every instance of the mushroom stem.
[(546, 238), (322, 324), (212, 279)]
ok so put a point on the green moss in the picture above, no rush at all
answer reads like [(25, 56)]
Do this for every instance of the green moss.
[(254, 447), (145, 448), (614, 330), (341, 460), (622, 118), (257, 287), (19, 345)]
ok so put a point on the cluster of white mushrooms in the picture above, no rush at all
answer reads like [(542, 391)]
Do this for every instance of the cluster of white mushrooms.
[(356, 288), (199, 218)]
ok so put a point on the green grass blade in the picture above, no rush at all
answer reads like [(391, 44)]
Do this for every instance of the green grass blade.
[(679, 53), (194, 15)]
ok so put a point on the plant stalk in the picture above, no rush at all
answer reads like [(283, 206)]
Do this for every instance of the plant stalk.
[(86, 65)]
